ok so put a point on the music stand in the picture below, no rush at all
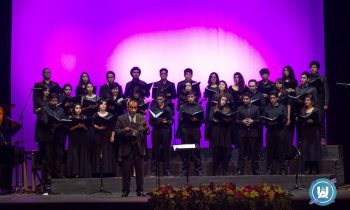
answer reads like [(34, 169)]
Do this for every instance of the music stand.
[(186, 148), (296, 186)]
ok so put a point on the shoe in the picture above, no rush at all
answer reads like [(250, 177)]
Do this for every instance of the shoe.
[(268, 172), (239, 172), (153, 173), (140, 194), (199, 173), (283, 172), (314, 170), (167, 173), (307, 171), (183, 173), (125, 194), (255, 172)]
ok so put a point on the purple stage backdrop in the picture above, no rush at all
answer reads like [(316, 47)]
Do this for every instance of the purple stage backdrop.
[(95, 36)]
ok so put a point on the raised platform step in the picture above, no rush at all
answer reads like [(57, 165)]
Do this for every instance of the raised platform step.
[(330, 166), (327, 152), (113, 184)]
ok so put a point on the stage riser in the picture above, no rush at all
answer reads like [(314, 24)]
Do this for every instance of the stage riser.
[(334, 167), (113, 184), (327, 152)]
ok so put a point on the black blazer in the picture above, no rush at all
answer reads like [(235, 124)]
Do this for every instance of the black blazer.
[(126, 139)]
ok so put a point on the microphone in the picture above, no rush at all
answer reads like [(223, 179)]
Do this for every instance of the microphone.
[(36, 88)]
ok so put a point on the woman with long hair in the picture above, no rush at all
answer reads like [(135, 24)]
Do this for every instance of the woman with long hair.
[(210, 90), (289, 80), (220, 142), (310, 135), (238, 87), (83, 81), (78, 162)]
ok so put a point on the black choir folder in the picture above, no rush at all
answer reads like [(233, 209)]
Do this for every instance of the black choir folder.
[(143, 106), (189, 116), (301, 96), (209, 92), (104, 121), (161, 114), (221, 116), (270, 119), (195, 84), (145, 88), (266, 89), (156, 90), (88, 102), (315, 82), (311, 115), (74, 100), (255, 101), (76, 121), (55, 120)]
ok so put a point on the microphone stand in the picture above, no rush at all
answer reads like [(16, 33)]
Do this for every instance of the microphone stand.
[(296, 186), (21, 118), (101, 190)]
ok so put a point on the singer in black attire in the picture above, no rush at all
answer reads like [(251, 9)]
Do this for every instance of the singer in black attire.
[(258, 99), (181, 88), (78, 157), (322, 96), (220, 141), (45, 83), (213, 84), (106, 90), (274, 132), (310, 135), (161, 134), (265, 85), (50, 136), (103, 143), (164, 86), (83, 82), (190, 134), (135, 72), (248, 120), (302, 90)]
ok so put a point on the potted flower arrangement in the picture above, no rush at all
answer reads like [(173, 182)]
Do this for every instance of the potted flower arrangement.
[(220, 197)]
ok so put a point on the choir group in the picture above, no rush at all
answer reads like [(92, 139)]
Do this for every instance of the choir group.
[(111, 127)]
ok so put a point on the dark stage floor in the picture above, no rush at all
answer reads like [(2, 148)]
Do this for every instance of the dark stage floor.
[(115, 201)]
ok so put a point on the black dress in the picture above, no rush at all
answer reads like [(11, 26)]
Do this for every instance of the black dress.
[(102, 143), (78, 161), (310, 137), (208, 107), (220, 141)]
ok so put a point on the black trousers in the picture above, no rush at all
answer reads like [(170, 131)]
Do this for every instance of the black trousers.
[(322, 123), (275, 147), (247, 146), (221, 154), (191, 136), (47, 156), (133, 159), (161, 137)]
